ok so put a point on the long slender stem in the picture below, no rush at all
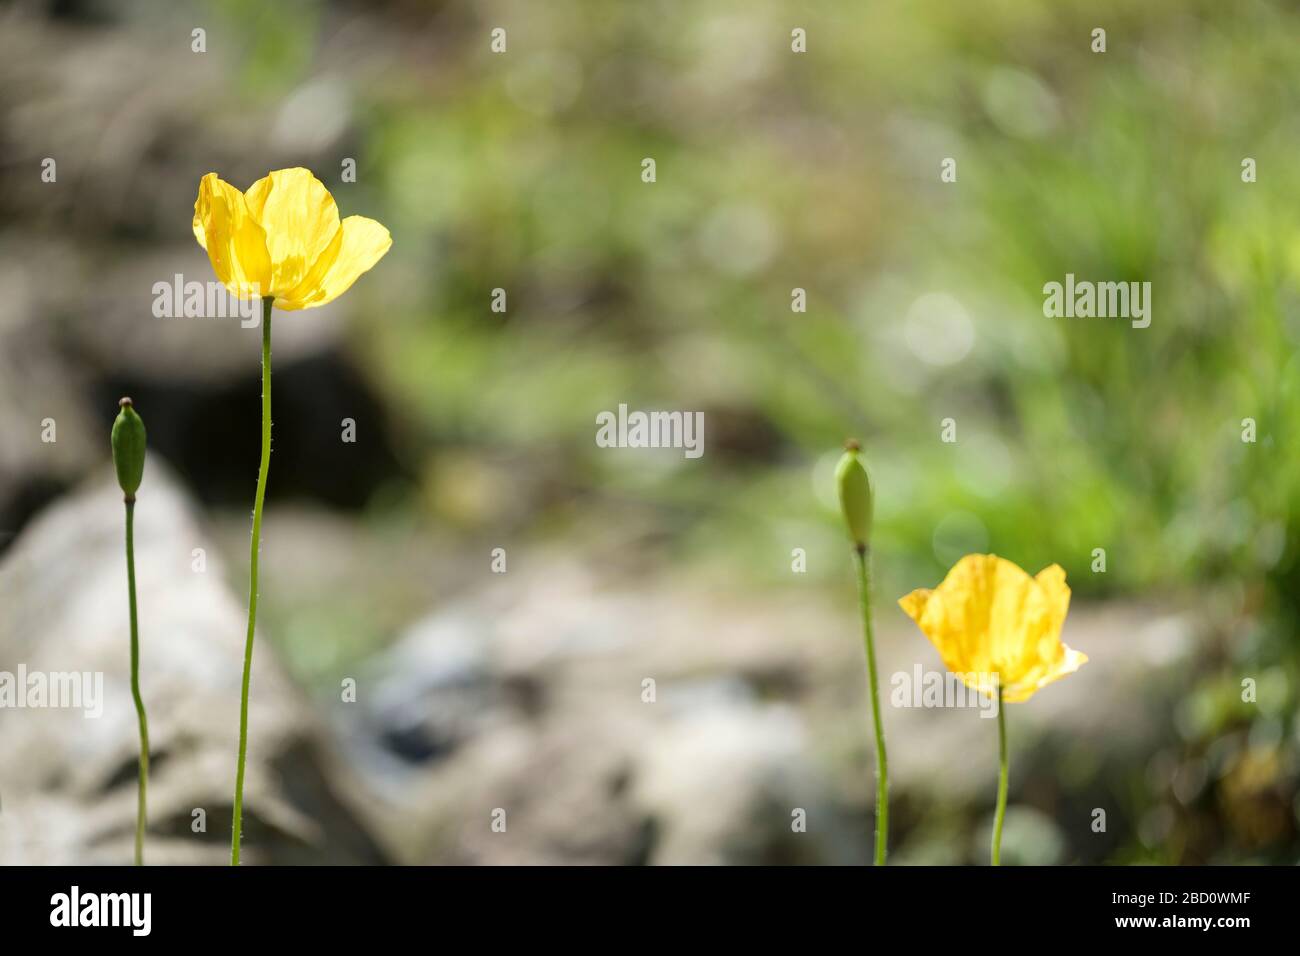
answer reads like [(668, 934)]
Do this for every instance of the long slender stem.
[(882, 765), (142, 792), (1002, 781), (262, 470)]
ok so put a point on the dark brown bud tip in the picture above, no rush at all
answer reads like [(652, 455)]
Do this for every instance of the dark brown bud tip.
[(850, 444)]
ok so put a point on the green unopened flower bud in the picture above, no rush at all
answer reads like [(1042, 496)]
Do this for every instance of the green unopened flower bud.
[(857, 498), (128, 448)]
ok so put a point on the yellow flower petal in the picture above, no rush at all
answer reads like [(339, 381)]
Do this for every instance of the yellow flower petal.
[(1067, 663), (1052, 581), (990, 617), (310, 289), (300, 220), (235, 243), (913, 604), (363, 243)]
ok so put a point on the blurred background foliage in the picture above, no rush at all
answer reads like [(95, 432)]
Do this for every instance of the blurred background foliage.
[(774, 171)]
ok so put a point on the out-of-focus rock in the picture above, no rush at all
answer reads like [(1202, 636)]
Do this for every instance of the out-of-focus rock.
[(69, 779), (593, 725)]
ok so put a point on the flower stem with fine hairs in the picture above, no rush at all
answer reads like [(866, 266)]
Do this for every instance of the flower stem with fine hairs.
[(267, 303), (1002, 782), (882, 765)]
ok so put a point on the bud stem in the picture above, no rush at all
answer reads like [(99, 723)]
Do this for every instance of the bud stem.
[(262, 470), (882, 765), (140, 813)]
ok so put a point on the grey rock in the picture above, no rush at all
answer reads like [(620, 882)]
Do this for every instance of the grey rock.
[(533, 690), (68, 780)]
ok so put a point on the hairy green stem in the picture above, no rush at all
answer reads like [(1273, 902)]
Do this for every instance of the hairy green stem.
[(882, 765), (1002, 781), (252, 587), (142, 791)]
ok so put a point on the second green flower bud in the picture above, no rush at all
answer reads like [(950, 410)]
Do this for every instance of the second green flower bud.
[(857, 498), (128, 449)]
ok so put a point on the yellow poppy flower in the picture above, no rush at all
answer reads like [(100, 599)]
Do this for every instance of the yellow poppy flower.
[(283, 238), (990, 617)]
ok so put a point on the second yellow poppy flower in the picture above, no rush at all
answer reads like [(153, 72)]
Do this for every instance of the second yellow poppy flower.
[(990, 617)]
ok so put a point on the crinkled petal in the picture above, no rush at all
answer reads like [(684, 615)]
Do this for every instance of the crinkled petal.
[(235, 243), (363, 243), (1068, 662), (310, 286), (1052, 580), (990, 617), (913, 604), (300, 220)]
